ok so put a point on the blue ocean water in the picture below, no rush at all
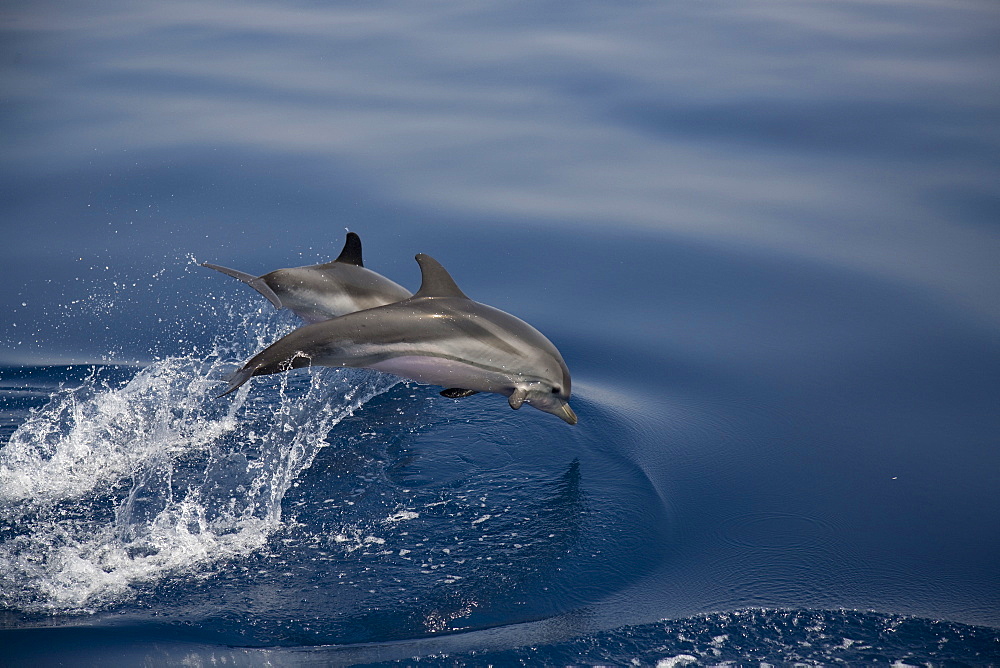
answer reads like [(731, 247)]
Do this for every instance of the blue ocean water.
[(764, 238)]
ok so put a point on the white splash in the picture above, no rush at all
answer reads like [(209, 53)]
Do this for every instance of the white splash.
[(679, 660), (106, 487), (402, 516), (94, 435)]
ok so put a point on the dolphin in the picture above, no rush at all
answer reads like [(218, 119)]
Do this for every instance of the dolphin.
[(438, 336), (322, 291)]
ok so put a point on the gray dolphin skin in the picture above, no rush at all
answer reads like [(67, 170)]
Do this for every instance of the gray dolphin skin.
[(322, 291), (438, 336)]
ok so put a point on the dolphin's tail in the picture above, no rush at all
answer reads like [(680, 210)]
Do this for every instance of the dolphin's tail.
[(254, 282), (237, 379)]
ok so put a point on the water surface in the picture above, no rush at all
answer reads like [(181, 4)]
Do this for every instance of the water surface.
[(763, 237)]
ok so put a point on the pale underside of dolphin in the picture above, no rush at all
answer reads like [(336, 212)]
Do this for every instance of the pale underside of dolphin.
[(438, 336), (322, 291)]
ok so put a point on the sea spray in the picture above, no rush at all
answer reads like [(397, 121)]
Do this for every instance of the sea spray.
[(107, 487)]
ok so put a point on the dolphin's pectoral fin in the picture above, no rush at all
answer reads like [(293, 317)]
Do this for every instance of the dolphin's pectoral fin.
[(237, 379), (352, 251), (255, 282), (517, 399), (458, 393)]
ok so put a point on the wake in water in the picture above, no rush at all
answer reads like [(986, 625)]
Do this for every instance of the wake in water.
[(107, 487)]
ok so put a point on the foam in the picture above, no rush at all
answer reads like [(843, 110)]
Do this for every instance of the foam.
[(107, 489)]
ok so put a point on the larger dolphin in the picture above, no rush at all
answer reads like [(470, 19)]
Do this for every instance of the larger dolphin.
[(322, 291), (437, 336)]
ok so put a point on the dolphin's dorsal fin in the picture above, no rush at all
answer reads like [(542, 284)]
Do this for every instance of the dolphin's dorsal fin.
[(352, 251), (435, 279)]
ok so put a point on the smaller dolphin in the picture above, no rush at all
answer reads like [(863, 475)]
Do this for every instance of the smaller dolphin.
[(437, 336), (322, 291)]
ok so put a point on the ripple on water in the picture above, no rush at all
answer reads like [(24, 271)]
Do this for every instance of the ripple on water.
[(778, 531)]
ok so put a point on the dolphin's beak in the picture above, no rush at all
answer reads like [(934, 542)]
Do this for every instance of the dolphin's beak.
[(566, 413)]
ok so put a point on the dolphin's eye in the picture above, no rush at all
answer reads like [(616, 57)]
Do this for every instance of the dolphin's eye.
[(556, 389)]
